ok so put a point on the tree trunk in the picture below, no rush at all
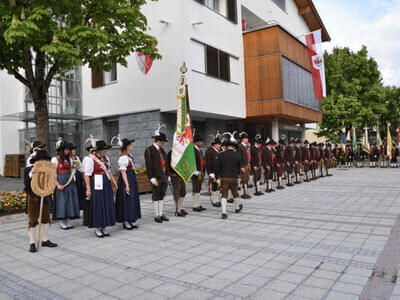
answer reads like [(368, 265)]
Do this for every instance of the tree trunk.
[(41, 117)]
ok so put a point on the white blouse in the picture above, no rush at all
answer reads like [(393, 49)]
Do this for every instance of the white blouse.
[(88, 165), (54, 160), (123, 162)]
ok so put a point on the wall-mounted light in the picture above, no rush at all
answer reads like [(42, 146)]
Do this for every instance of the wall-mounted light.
[(164, 22), (197, 23)]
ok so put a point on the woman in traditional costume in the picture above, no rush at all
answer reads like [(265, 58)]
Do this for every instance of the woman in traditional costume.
[(127, 205), (66, 194), (98, 180)]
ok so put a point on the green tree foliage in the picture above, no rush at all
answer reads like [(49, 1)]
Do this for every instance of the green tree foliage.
[(356, 95), (40, 38)]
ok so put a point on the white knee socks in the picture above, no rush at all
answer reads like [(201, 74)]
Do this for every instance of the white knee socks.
[(223, 205), (32, 234), (214, 197), (237, 202), (44, 232)]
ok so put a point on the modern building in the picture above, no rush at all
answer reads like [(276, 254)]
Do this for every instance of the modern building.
[(248, 70)]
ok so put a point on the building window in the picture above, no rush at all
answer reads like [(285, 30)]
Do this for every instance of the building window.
[(217, 63), (101, 78), (281, 4), (229, 10), (111, 76)]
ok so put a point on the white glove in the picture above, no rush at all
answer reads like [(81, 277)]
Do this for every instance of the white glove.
[(196, 173), (154, 181), (212, 175)]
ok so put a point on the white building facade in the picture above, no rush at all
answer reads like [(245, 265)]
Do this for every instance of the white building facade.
[(205, 34)]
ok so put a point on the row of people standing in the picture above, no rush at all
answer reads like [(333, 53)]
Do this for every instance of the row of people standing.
[(86, 186), (377, 156)]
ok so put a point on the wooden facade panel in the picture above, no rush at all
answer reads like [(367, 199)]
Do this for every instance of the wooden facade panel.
[(263, 78), (273, 40), (289, 112), (261, 42), (293, 50)]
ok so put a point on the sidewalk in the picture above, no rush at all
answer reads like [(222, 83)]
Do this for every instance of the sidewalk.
[(319, 240)]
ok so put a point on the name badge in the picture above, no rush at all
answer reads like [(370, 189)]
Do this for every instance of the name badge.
[(98, 182)]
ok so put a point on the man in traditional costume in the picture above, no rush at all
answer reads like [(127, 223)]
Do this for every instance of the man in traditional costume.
[(198, 176), (210, 158)]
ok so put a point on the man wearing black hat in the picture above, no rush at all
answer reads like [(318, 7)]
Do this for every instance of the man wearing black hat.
[(157, 172), (34, 147), (245, 157), (178, 188), (280, 163), (33, 205), (228, 168), (256, 163), (328, 158), (210, 158), (298, 161), (289, 159), (269, 159), (197, 178), (305, 149)]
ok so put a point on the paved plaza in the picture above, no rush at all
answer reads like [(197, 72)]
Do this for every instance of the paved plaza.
[(336, 238)]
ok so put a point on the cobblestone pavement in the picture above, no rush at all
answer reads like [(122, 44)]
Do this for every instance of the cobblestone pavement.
[(337, 238)]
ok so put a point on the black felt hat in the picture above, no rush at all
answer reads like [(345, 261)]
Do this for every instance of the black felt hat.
[(197, 138), (40, 155), (161, 137), (71, 146)]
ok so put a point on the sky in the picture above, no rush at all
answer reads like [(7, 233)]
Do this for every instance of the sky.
[(374, 23)]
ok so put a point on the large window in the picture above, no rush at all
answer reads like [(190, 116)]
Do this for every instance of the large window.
[(280, 3), (217, 63), (227, 8)]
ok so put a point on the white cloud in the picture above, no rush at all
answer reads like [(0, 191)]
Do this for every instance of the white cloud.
[(381, 36)]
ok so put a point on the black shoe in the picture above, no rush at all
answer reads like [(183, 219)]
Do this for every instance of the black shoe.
[(127, 227), (32, 248), (258, 194), (268, 191), (245, 196), (202, 208), (289, 184), (272, 190), (105, 233), (158, 220), (280, 188), (134, 226), (297, 182), (329, 175), (224, 216), (164, 218), (306, 180), (230, 200), (49, 244), (179, 214), (250, 186), (184, 212), (218, 204), (197, 209), (239, 209)]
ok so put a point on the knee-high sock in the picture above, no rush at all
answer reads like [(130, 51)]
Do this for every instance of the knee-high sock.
[(237, 202), (32, 235), (223, 205), (180, 202), (214, 197), (160, 207), (194, 200), (44, 231), (156, 211)]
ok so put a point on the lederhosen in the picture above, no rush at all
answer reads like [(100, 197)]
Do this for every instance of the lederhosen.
[(197, 181), (210, 161)]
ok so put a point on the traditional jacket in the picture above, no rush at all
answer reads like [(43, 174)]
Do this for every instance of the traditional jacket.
[(156, 162), (256, 156), (210, 159), (245, 155)]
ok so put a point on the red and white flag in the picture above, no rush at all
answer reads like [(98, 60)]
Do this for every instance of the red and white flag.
[(316, 55), (144, 62)]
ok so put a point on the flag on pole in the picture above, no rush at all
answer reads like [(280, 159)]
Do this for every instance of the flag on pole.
[(183, 159), (365, 141), (389, 145), (316, 57), (354, 138), (378, 137)]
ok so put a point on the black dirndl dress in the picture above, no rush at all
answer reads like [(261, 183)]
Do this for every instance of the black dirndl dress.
[(127, 207)]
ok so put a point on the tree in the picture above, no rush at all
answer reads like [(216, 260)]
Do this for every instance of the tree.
[(355, 92), (40, 38)]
